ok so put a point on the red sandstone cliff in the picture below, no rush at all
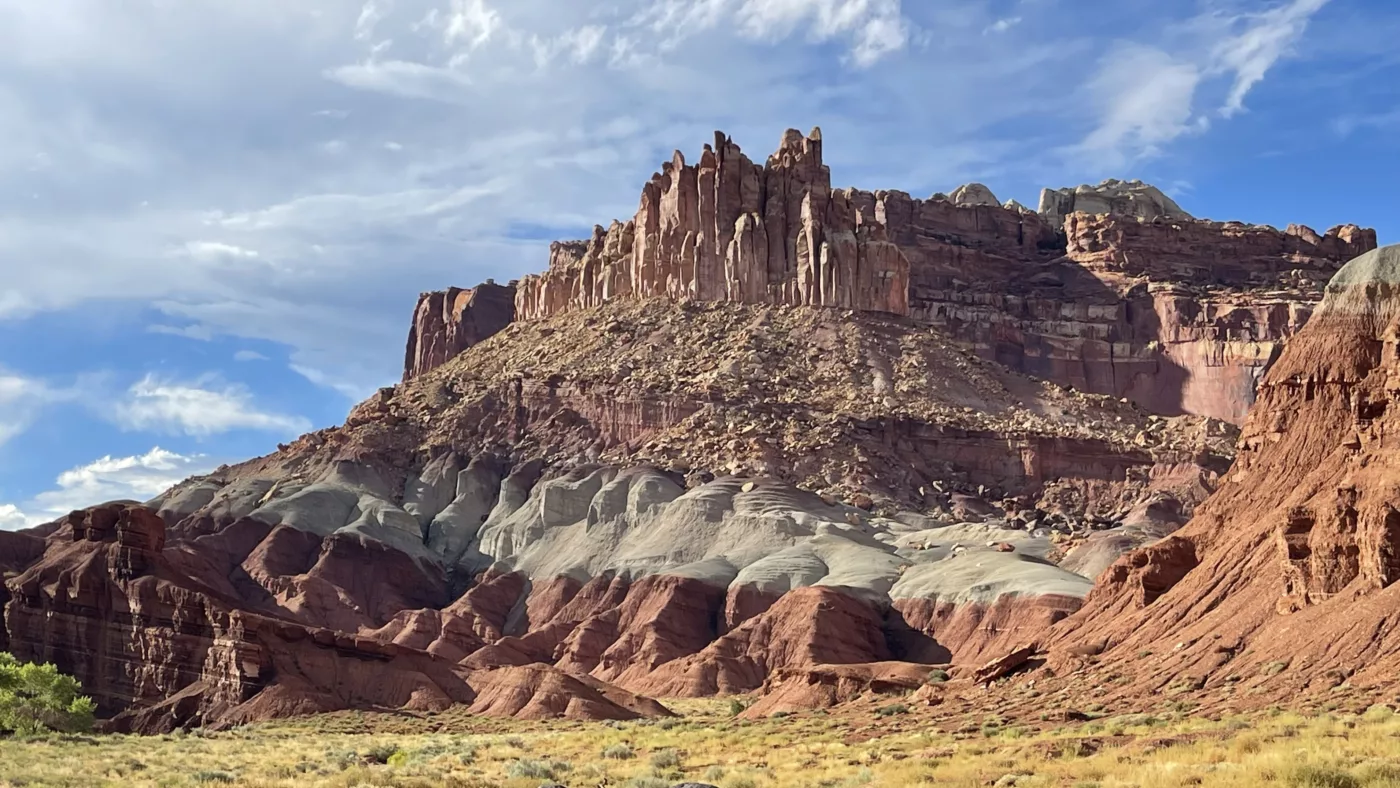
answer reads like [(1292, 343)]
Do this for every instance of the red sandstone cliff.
[(1177, 314), (727, 229), (1284, 583), (448, 322)]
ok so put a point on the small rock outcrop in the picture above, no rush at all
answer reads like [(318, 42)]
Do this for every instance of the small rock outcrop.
[(448, 322), (1121, 198)]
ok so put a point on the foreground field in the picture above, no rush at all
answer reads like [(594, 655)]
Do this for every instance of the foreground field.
[(1334, 750)]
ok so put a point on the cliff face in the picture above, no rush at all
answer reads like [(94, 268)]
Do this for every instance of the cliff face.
[(727, 229), (1111, 289), (448, 322), (1285, 582)]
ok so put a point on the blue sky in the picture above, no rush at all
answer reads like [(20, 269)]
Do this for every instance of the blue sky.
[(216, 216)]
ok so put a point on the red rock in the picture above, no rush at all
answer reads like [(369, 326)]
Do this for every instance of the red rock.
[(1178, 314), (447, 322), (1004, 665), (1292, 562), (806, 627), (729, 230), (822, 686)]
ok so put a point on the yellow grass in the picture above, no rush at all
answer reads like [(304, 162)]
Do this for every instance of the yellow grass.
[(706, 745)]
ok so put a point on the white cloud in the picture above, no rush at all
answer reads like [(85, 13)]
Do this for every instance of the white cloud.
[(22, 400), (210, 251), (470, 22), (1002, 25), (249, 355), (1265, 39), (1146, 96), (137, 478), (196, 409), (12, 519), (200, 333), (875, 28)]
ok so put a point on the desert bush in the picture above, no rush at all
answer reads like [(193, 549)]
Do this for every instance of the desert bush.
[(380, 753), (665, 759), (537, 769), (937, 676), (621, 751), (891, 710), (37, 698)]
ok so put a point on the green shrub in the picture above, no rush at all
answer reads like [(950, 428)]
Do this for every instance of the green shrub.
[(736, 707), (380, 753), (536, 769), (618, 752), (213, 776), (37, 698), (937, 676), (665, 759), (891, 710)]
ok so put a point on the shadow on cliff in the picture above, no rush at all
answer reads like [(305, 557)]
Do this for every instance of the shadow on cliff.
[(1065, 292)]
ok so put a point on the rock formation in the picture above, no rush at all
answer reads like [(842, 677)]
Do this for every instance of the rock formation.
[(448, 322), (1284, 583), (1133, 199), (726, 229), (1112, 289), (158, 646), (770, 437)]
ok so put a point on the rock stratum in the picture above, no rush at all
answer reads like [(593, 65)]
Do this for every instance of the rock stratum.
[(766, 437), (1284, 583)]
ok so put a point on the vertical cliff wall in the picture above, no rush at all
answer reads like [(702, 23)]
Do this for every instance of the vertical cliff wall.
[(449, 321), (1111, 289)]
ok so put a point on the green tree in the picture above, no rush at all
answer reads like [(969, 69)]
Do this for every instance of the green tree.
[(37, 698)]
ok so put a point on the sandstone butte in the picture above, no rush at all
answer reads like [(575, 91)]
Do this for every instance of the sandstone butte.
[(773, 437)]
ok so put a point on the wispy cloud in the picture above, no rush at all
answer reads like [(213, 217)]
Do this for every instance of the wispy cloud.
[(210, 251), (138, 478), (23, 400), (1146, 96), (198, 409), (1263, 39)]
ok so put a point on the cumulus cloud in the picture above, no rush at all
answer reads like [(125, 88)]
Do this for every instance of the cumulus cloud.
[(138, 478), (197, 409), (249, 355), (11, 518)]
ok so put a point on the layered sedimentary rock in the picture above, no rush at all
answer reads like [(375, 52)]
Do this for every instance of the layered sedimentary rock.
[(1181, 317), (684, 471), (448, 322), (158, 645), (1284, 583), (1112, 289), (572, 513), (1133, 199), (727, 229)]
